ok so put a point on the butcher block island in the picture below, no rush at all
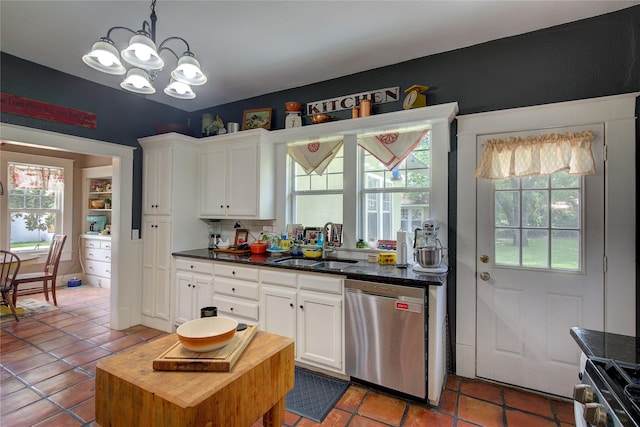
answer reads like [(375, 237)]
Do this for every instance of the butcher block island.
[(129, 392)]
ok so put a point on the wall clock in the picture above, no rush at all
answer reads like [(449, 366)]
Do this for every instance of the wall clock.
[(415, 98)]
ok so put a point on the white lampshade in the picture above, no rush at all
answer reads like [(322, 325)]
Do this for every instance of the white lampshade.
[(142, 53), (188, 71), (179, 90), (137, 81), (104, 57)]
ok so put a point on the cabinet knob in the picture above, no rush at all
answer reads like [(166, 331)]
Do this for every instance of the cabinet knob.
[(233, 289), (191, 266), (221, 206), (231, 308), (291, 305), (227, 206), (233, 273), (301, 307)]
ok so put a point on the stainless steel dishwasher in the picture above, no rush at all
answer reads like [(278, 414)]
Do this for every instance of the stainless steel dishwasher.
[(386, 336)]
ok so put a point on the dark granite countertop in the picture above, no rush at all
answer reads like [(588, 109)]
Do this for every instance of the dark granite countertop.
[(362, 270), (607, 345)]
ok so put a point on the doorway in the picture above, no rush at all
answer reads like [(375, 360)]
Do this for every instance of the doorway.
[(124, 296)]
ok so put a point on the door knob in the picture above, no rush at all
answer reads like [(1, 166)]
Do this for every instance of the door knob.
[(484, 258), (485, 276)]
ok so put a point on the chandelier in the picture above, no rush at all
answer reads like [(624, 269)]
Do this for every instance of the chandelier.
[(145, 61)]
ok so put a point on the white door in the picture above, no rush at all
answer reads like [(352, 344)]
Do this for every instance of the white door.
[(540, 249)]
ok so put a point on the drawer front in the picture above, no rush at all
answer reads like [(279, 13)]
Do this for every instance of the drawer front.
[(98, 254), (278, 277), (233, 307), (95, 244), (235, 272), (320, 283), (194, 266), (98, 268), (105, 245), (236, 288)]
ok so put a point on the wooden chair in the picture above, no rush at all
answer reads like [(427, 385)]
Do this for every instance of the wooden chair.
[(50, 272), (9, 267)]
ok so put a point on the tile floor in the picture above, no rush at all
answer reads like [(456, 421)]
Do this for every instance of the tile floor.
[(47, 369)]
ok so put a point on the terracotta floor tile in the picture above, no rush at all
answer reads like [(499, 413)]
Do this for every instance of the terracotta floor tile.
[(453, 382), (58, 343), (528, 402), (4, 374), (122, 343), (290, 418), (28, 363), (61, 382), (43, 372), (86, 410), (13, 345), (69, 349), (563, 410), (148, 334), (61, 419), (420, 416), (63, 323), (448, 401), (517, 418), (46, 336), (480, 412), (17, 355), (465, 424), (482, 390), (41, 328), (18, 399), (78, 326), (359, 421), (10, 385), (106, 337), (90, 331), (352, 398), (335, 418), (382, 407), (75, 394), (87, 356), (40, 410)]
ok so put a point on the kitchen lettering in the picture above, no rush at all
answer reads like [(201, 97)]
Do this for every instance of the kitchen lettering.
[(379, 96)]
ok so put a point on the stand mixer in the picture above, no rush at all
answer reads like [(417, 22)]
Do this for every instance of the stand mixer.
[(428, 248)]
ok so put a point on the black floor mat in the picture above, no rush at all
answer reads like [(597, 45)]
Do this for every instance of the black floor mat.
[(313, 395)]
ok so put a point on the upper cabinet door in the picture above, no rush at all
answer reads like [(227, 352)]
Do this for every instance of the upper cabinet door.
[(213, 175), (157, 170), (243, 183)]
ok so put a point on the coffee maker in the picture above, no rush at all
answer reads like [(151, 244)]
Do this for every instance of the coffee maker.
[(97, 223)]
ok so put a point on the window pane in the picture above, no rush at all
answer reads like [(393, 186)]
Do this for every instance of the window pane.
[(565, 249), (507, 247), (564, 180), (564, 209), (535, 182), (535, 209), (507, 209), (535, 247), (316, 210), (506, 184)]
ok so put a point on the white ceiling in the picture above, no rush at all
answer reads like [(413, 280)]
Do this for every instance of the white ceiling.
[(250, 48)]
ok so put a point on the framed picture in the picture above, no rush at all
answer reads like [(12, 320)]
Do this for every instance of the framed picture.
[(311, 234), (242, 236), (254, 119)]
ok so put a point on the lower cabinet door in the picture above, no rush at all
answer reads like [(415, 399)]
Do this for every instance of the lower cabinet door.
[(242, 311), (278, 307), (319, 335)]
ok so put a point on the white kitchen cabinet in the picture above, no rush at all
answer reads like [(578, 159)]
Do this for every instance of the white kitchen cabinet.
[(194, 288), (236, 292), (157, 173), (156, 267), (170, 224), (309, 309), (237, 176), (96, 252)]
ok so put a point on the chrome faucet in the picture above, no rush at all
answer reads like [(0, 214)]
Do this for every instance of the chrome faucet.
[(325, 240)]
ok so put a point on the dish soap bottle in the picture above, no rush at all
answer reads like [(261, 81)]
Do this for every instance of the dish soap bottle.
[(320, 239)]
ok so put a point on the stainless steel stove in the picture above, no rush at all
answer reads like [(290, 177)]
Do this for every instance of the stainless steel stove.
[(609, 395)]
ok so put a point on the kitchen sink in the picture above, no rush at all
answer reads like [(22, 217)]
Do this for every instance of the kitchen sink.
[(336, 265), (298, 262)]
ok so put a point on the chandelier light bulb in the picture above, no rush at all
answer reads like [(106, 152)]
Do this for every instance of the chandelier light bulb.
[(188, 71), (137, 82), (179, 90), (142, 53), (104, 57)]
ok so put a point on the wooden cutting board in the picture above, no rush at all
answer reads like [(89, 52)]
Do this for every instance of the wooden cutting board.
[(178, 358)]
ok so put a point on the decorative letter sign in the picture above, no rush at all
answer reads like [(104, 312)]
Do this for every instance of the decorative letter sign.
[(42, 110)]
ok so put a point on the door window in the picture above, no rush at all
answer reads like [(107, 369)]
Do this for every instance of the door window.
[(538, 222)]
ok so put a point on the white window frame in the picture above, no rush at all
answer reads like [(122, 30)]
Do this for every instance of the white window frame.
[(67, 205)]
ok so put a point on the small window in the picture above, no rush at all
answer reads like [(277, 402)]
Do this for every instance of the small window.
[(396, 199)]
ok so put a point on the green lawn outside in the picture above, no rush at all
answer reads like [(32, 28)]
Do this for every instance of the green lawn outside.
[(565, 253)]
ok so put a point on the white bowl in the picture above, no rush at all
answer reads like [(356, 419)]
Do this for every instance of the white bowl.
[(207, 333)]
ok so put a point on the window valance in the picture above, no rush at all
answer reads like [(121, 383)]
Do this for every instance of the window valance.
[(26, 177), (393, 147), (314, 156), (537, 155)]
